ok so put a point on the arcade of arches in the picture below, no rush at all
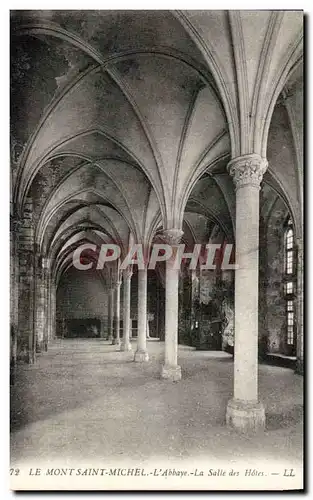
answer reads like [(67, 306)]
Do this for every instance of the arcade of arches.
[(149, 126)]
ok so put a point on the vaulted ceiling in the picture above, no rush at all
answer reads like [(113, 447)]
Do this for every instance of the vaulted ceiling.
[(122, 121)]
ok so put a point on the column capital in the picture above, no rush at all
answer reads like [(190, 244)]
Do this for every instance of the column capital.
[(45, 263), (118, 283), (127, 273), (15, 223), (171, 236), (247, 170)]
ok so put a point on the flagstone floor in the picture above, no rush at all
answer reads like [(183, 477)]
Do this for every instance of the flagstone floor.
[(84, 399)]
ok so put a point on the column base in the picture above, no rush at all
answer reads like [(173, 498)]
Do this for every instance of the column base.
[(141, 355), (244, 416), (172, 373), (126, 346), (299, 367), (40, 346), (117, 344), (31, 358)]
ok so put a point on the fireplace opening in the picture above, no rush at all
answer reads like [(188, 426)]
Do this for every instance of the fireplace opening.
[(82, 328)]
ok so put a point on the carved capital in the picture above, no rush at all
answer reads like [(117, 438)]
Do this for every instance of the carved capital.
[(118, 283), (45, 263), (247, 170), (15, 223), (171, 236), (127, 273)]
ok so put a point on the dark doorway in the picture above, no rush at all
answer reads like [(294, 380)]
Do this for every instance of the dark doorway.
[(210, 331), (83, 328)]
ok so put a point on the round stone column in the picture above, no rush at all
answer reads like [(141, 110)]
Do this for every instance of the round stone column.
[(116, 339), (39, 303), (111, 314), (14, 293), (46, 270), (142, 353), (244, 411), (53, 311), (171, 370), (126, 345)]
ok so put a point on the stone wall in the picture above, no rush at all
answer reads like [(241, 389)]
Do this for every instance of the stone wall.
[(26, 257), (185, 305), (272, 303), (81, 294)]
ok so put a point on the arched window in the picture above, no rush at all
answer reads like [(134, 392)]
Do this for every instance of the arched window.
[(289, 250), (289, 272), (290, 323)]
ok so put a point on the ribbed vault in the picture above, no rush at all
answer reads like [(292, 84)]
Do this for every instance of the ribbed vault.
[(117, 115)]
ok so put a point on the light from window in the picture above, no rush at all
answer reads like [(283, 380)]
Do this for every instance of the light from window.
[(290, 323), (289, 239), (289, 262), (289, 249), (289, 290)]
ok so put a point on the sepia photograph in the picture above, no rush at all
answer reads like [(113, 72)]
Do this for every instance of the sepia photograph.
[(156, 250)]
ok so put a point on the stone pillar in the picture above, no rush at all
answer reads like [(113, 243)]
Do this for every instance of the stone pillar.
[(45, 270), (195, 307), (126, 345), (244, 411), (130, 328), (14, 294), (49, 308), (107, 324), (111, 314), (142, 353), (116, 337), (299, 310), (170, 369), (26, 344), (31, 305), (102, 328), (52, 310), (40, 276)]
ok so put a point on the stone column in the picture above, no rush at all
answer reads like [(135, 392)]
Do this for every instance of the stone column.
[(148, 329), (49, 308), (107, 325), (142, 353), (102, 328), (116, 338), (195, 307), (111, 314), (14, 294), (26, 344), (45, 269), (53, 310), (126, 345), (170, 369), (244, 411), (39, 303)]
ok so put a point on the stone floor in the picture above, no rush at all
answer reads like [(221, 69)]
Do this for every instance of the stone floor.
[(82, 398)]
